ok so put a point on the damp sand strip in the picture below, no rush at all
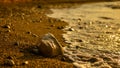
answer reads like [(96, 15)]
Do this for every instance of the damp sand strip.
[(93, 28)]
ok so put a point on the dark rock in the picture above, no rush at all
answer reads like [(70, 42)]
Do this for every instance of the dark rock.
[(28, 32), (93, 60), (77, 47), (9, 57), (52, 25), (39, 6), (9, 62), (80, 27), (60, 27), (6, 26), (35, 51), (106, 18), (16, 43)]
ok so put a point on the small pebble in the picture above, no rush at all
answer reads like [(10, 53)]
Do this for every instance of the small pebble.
[(25, 63), (34, 35), (52, 25), (60, 27), (16, 43), (98, 63), (35, 51), (71, 58), (6, 26), (93, 60), (39, 6), (81, 27), (9, 57), (77, 47), (8, 31), (28, 32), (9, 62), (78, 65), (105, 66), (71, 29)]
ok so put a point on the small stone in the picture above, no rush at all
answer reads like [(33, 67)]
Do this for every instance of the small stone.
[(93, 60), (9, 62), (28, 32), (60, 27), (71, 29), (6, 26), (98, 63), (105, 66), (16, 43), (71, 58), (9, 57), (34, 35), (52, 25), (35, 51), (77, 47), (8, 31), (79, 40), (39, 6), (78, 65), (25, 63), (81, 27), (49, 46)]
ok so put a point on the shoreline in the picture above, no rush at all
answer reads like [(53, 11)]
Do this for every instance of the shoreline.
[(26, 24)]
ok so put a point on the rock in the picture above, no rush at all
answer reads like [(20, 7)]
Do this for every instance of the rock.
[(9, 62), (34, 35), (16, 43), (93, 60), (97, 63), (8, 31), (105, 66), (80, 27), (9, 57), (28, 32), (35, 51), (106, 18), (71, 58), (71, 29), (52, 25), (60, 27), (50, 46), (25, 63), (77, 65), (6, 26), (39, 6)]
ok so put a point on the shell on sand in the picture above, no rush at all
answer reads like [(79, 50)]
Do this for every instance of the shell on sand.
[(50, 46)]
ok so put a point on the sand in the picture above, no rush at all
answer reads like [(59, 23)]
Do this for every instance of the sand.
[(23, 24)]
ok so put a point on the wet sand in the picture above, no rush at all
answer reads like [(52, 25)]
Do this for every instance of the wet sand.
[(93, 30)]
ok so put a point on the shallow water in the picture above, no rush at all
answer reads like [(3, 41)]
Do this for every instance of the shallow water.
[(93, 29), (97, 24)]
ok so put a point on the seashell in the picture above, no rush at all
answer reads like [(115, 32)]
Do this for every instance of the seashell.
[(50, 46)]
